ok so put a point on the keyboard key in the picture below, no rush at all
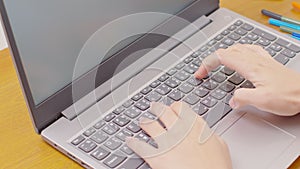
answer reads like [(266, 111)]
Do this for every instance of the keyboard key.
[(264, 42), (167, 101), (209, 101), (119, 110), (238, 23), (126, 150), (99, 124), (247, 27), (132, 112), (149, 115), (293, 48), (241, 32), (113, 143), (197, 62), (228, 41), (155, 84), (227, 71), (182, 75), (185, 88), (236, 79), (281, 59), (195, 82), (201, 92), (145, 166), (245, 41), (172, 71), (282, 42), (191, 68), (180, 65), (100, 153), (217, 113), (252, 36), (247, 84), (163, 89), (227, 98), (109, 117), (78, 140), (191, 99), (142, 104), (121, 120), (99, 137), (87, 146), (200, 109), (132, 163), (196, 54), (275, 47), (89, 132), (227, 87), (232, 27), (234, 36), (264, 34), (114, 160), (225, 32), (172, 82), (288, 53), (110, 128), (271, 52), (219, 77), (128, 103), (210, 84), (219, 37), (146, 90), (137, 97), (176, 95), (133, 127), (188, 60), (218, 94), (163, 77), (211, 43), (203, 49), (123, 134), (143, 137), (153, 97), (220, 46)]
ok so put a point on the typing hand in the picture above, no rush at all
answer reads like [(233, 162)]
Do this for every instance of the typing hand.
[(277, 88), (186, 142)]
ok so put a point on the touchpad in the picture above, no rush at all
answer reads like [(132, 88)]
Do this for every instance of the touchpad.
[(255, 143)]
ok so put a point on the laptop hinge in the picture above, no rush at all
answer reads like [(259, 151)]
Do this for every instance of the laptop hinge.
[(89, 100)]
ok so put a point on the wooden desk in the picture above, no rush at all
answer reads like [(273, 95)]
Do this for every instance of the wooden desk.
[(21, 147)]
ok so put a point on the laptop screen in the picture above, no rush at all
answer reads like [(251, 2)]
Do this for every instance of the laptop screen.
[(49, 35)]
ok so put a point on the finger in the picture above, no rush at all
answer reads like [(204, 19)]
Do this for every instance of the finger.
[(151, 127), (244, 97), (179, 107), (141, 148), (208, 64), (164, 113)]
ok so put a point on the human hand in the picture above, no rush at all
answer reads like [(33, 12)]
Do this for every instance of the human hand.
[(276, 89), (186, 143)]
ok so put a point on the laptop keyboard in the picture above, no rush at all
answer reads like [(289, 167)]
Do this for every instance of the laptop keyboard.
[(209, 97)]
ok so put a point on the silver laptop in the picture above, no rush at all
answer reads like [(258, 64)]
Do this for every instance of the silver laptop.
[(89, 70)]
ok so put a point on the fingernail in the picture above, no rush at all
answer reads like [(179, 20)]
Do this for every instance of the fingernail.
[(156, 108), (197, 74), (233, 104)]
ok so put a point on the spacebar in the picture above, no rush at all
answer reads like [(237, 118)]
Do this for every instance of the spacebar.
[(217, 113)]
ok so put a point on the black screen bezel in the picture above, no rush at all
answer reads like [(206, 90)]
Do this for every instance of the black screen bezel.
[(49, 110)]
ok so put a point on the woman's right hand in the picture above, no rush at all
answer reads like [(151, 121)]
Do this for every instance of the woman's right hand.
[(277, 88)]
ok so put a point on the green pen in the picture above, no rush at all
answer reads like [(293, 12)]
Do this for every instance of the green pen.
[(288, 30), (280, 17)]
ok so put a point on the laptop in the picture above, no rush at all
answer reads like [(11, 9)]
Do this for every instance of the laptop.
[(89, 70)]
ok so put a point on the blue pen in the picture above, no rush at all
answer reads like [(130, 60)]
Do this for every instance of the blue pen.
[(281, 23), (296, 34), (295, 37)]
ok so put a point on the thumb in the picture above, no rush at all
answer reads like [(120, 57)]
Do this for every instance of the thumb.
[(243, 97)]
